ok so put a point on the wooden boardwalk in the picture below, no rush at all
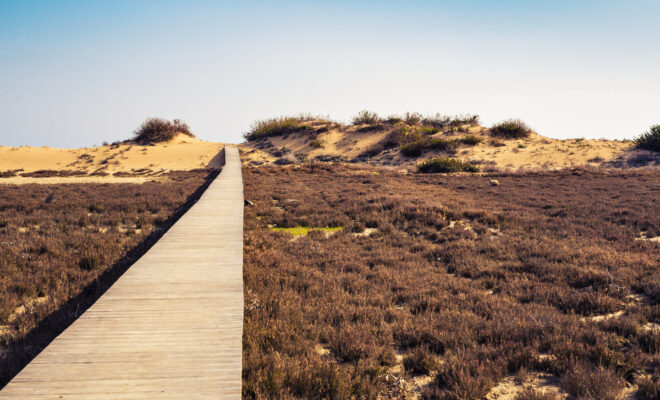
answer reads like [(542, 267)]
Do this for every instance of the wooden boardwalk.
[(170, 327)]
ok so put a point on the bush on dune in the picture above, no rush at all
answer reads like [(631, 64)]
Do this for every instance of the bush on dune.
[(649, 140), (157, 130), (366, 117), (439, 164), (511, 128), (278, 127)]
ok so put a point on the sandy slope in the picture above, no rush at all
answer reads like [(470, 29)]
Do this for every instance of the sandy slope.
[(533, 153), (182, 153)]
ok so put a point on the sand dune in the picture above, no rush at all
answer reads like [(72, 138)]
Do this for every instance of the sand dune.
[(124, 162), (535, 152)]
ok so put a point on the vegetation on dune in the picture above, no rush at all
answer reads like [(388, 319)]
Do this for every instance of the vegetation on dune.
[(649, 140), (366, 117), (441, 164), (444, 121), (470, 281), (62, 245), (278, 127), (157, 130), (511, 129)]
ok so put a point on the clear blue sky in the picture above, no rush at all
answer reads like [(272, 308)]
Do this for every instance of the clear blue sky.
[(76, 73)]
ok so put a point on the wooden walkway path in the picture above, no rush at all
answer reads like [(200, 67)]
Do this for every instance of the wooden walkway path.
[(170, 327)]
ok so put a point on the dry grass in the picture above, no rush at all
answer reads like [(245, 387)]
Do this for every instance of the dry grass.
[(470, 282), (61, 246)]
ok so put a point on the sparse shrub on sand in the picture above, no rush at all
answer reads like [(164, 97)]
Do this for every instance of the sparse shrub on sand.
[(279, 126), (157, 130), (393, 119), (511, 129), (429, 130), (413, 149), (440, 164), (445, 121), (437, 121), (316, 144), (649, 140), (413, 118), (471, 140), (444, 144), (366, 117), (420, 361), (529, 393), (584, 381)]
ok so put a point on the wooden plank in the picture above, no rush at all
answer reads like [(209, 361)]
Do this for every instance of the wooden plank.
[(171, 327)]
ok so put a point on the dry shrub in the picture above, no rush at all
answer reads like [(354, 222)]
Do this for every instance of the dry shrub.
[(366, 117), (529, 393), (463, 376), (509, 281), (156, 130), (420, 361), (648, 388), (587, 382)]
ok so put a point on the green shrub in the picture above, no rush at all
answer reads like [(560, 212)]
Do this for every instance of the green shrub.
[(512, 128), (444, 144), (439, 164), (156, 130), (411, 140), (316, 144), (278, 127), (649, 140), (429, 130), (413, 149), (471, 140), (366, 117)]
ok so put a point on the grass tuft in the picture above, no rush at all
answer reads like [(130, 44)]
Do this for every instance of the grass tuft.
[(471, 140)]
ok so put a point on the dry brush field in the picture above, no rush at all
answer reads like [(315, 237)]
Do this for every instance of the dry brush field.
[(63, 245), (450, 287)]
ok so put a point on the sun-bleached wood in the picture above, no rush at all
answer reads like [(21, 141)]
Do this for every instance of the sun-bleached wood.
[(171, 327)]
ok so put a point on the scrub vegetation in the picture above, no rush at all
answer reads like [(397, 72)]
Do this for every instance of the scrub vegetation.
[(63, 245), (649, 140), (450, 281), (157, 130)]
